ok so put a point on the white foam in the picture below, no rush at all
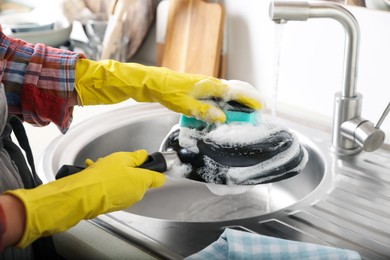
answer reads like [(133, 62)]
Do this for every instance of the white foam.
[(235, 91), (240, 88), (188, 137), (237, 134), (238, 175), (241, 133), (179, 170)]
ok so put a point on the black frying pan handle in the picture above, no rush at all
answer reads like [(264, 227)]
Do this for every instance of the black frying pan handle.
[(67, 170), (154, 162)]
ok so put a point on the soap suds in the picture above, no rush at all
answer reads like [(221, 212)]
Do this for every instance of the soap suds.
[(236, 91), (179, 170), (240, 88), (241, 135), (277, 151)]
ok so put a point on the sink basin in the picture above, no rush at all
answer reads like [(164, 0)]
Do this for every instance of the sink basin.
[(190, 201), (340, 201), (183, 200)]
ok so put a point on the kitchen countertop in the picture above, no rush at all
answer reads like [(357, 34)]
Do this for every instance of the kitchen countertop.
[(87, 241)]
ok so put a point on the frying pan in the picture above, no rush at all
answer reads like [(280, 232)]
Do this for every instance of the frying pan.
[(225, 169)]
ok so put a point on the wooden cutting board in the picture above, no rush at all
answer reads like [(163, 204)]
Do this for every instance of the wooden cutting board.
[(193, 38)]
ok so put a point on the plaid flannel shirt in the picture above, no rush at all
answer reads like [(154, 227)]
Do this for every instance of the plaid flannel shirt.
[(38, 80)]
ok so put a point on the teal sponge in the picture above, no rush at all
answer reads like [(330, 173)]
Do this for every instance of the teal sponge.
[(238, 116), (231, 116)]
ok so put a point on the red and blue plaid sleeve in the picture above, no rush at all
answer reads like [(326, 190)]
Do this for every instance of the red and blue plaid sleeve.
[(39, 81)]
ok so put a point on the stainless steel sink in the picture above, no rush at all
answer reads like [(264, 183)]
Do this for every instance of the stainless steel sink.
[(334, 201), (189, 201)]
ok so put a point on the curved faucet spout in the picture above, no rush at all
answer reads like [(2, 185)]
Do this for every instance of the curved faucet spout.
[(350, 131), (283, 11)]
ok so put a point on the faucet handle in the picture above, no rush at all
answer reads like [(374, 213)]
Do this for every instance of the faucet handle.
[(364, 133), (367, 135), (383, 116)]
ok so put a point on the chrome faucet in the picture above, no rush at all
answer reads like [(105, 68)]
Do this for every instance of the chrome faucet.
[(351, 133)]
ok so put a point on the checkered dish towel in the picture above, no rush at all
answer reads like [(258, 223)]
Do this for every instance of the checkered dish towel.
[(233, 244)]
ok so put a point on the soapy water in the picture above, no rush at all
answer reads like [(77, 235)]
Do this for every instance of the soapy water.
[(260, 200), (229, 150), (227, 207), (289, 157)]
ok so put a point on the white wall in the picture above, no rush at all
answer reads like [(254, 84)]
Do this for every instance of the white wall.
[(311, 60)]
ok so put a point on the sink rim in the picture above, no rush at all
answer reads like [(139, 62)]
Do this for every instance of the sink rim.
[(60, 152), (131, 226)]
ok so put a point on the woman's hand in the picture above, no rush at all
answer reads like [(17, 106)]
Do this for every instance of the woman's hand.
[(109, 81), (109, 184)]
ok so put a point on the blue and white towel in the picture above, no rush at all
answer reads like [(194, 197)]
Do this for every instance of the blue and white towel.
[(234, 244)]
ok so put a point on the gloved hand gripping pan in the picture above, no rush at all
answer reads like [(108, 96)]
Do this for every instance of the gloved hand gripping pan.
[(111, 183)]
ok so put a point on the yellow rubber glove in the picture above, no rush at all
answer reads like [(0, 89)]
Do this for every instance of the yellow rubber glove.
[(109, 81), (111, 183)]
